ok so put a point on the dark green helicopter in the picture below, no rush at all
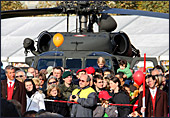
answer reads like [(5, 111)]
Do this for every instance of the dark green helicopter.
[(82, 48)]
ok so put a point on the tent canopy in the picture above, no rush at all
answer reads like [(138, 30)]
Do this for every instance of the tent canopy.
[(149, 35)]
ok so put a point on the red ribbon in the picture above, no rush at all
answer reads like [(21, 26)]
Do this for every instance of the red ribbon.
[(61, 101)]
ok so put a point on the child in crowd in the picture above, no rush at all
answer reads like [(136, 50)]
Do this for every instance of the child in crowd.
[(53, 92), (125, 68), (101, 64)]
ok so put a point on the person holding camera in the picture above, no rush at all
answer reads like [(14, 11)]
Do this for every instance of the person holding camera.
[(86, 98), (105, 110)]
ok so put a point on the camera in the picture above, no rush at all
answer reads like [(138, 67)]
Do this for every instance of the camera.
[(73, 96)]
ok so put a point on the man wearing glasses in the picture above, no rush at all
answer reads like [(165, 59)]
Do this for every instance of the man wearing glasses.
[(20, 75), (86, 98)]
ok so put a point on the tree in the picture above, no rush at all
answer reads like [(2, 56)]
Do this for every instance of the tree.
[(11, 5), (155, 6)]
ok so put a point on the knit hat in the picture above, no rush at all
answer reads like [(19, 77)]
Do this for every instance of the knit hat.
[(105, 95), (29, 75), (49, 70), (90, 70), (66, 74), (80, 70)]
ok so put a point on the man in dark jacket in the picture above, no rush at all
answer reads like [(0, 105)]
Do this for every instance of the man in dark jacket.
[(11, 88), (86, 98), (156, 101)]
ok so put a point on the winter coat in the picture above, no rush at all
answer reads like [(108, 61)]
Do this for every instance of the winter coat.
[(103, 68), (19, 93), (121, 98), (161, 105), (35, 102), (66, 91), (86, 103), (126, 71)]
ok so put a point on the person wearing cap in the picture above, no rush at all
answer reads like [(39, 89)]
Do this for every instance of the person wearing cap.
[(78, 74), (86, 98), (104, 110), (49, 71), (29, 75), (90, 71), (67, 87)]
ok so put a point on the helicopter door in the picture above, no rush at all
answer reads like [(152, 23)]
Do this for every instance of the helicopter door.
[(138, 62)]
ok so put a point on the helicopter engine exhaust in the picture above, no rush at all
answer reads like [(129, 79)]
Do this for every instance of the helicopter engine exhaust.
[(123, 45), (44, 40)]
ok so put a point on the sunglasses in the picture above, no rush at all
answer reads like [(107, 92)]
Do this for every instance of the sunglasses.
[(19, 76), (42, 79), (81, 80), (101, 82), (52, 82)]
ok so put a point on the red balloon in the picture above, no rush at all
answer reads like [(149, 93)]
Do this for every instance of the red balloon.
[(138, 77)]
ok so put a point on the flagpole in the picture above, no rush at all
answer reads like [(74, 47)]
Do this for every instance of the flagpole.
[(144, 71)]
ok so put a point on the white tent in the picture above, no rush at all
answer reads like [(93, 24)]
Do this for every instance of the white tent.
[(149, 35)]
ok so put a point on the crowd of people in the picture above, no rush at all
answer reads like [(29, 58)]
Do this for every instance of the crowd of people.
[(91, 92)]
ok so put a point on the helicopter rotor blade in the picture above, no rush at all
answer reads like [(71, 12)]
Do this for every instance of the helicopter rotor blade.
[(30, 12), (136, 12)]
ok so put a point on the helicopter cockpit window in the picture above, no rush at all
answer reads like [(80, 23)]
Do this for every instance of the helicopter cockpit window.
[(140, 64), (93, 62), (73, 64), (44, 63)]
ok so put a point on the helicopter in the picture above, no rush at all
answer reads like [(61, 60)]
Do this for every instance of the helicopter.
[(82, 48)]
